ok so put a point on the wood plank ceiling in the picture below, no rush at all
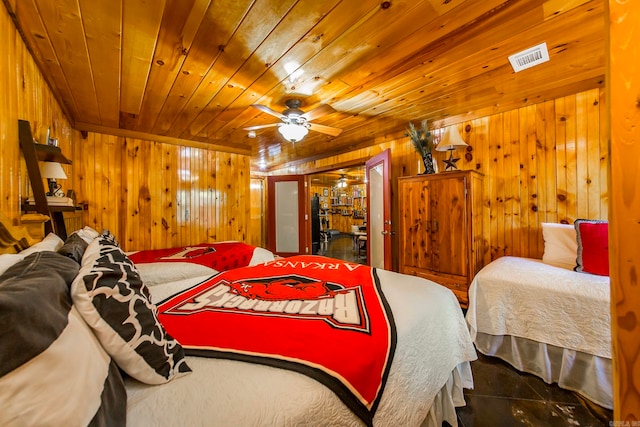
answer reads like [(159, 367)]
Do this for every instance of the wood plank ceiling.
[(191, 69)]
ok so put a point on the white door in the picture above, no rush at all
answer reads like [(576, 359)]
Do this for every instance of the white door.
[(287, 215), (379, 211)]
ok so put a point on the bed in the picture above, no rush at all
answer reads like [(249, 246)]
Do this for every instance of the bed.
[(422, 379), (204, 259), (545, 318)]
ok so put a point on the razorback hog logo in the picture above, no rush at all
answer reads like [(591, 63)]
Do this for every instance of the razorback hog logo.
[(285, 289)]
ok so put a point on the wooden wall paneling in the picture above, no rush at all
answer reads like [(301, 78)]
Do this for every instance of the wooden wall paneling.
[(605, 160), (541, 153), (10, 182), (115, 182), (213, 196), (156, 181), (145, 193), (176, 195), (166, 217), (533, 230), (518, 195), (570, 152), (222, 201), (184, 200), (582, 156), (497, 197), (131, 230), (480, 147), (199, 182), (255, 235), (561, 156), (523, 229), (96, 193), (508, 188), (593, 155), (104, 192), (90, 158), (548, 116), (192, 187), (208, 194), (199, 195), (623, 87), (233, 211)]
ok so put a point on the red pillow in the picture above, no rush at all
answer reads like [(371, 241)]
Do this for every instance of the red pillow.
[(593, 246)]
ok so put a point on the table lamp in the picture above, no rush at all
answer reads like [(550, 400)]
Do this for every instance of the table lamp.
[(52, 171), (450, 142)]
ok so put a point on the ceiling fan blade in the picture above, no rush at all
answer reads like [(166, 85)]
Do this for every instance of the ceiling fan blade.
[(325, 129), (262, 126), (267, 110), (322, 110)]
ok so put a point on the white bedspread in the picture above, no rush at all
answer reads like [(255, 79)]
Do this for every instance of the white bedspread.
[(433, 349), (526, 298)]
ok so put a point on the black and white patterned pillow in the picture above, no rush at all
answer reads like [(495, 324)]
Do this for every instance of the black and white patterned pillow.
[(113, 300), (53, 369)]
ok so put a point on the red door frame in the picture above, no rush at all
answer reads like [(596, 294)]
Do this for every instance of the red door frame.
[(303, 228)]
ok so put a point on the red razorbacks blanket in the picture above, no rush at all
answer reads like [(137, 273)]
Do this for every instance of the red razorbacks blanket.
[(219, 256), (323, 317)]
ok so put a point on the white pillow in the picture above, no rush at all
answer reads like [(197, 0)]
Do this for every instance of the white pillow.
[(87, 234), (50, 243), (560, 245), (156, 273)]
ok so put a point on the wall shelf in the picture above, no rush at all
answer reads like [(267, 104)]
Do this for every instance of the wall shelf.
[(34, 153)]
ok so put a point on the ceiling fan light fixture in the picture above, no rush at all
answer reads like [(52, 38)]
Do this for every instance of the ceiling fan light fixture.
[(293, 132)]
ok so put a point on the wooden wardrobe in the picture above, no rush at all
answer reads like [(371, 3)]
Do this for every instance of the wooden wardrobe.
[(440, 228)]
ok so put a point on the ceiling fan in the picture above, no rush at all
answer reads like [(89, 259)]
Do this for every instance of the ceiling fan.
[(295, 123)]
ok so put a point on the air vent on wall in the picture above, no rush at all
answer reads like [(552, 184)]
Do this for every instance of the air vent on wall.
[(529, 58)]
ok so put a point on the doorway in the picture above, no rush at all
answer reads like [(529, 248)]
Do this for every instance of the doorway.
[(340, 199)]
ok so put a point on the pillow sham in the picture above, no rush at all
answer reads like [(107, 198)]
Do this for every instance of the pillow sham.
[(53, 370), (560, 245), (116, 304), (593, 246)]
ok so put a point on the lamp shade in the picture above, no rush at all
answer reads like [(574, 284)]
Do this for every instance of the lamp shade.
[(293, 132), (451, 140), (52, 170)]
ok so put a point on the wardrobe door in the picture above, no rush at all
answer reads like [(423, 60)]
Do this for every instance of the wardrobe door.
[(415, 243), (449, 236)]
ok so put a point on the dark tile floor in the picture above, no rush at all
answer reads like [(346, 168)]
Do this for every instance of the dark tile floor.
[(341, 246), (502, 396)]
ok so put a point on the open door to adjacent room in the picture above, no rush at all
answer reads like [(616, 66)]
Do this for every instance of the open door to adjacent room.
[(379, 232)]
